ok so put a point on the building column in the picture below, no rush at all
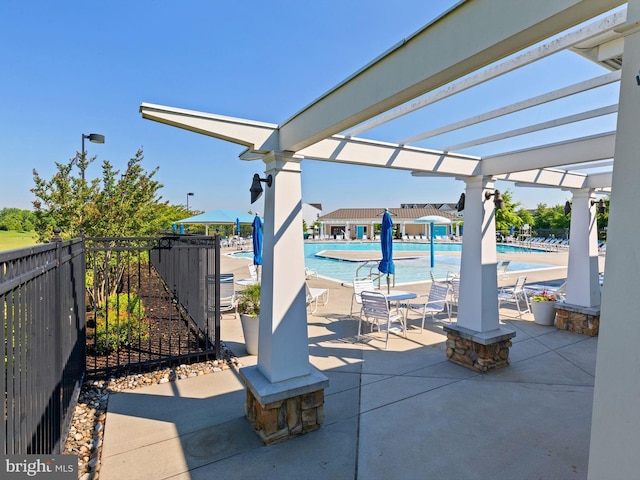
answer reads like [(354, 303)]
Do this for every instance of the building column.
[(477, 340), (615, 435), (283, 383), (583, 287)]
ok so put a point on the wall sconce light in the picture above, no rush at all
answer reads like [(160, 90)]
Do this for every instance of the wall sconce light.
[(497, 199), (601, 208), (567, 207), (460, 204), (256, 189)]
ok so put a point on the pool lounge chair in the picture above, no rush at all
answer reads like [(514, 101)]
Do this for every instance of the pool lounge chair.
[(515, 294), (315, 296)]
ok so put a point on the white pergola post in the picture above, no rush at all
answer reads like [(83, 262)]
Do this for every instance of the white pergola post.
[(283, 371), (477, 341), (478, 308), (583, 288), (615, 435), (283, 342)]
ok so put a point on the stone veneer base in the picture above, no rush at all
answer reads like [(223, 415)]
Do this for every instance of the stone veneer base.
[(479, 351), (283, 410), (578, 319)]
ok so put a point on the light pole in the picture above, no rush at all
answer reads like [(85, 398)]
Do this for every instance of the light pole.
[(189, 194), (93, 138)]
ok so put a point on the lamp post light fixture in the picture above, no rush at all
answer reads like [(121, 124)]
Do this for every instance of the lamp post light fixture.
[(93, 138), (189, 194)]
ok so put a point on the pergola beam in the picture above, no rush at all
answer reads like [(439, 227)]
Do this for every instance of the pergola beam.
[(556, 122), (519, 106), (357, 151), (258, 136), (586, 149), (457, 43)]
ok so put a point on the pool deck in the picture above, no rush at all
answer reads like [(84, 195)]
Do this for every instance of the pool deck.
[(405, 412)]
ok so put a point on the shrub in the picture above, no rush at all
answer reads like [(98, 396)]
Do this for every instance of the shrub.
[(249, 300), (120, 323)]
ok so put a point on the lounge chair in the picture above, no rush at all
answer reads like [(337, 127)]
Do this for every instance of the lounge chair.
[(228, 298), (316, 295), (515, 294), (310, 272)]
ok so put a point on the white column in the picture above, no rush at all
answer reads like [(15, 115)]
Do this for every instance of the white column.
[(283, 351), (615, 435), (478, 302), (583, 288)]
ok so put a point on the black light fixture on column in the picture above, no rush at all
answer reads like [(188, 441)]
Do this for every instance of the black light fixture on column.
[(256, 189), (497, 199), (460, 204), (567, 207), (601, 208)]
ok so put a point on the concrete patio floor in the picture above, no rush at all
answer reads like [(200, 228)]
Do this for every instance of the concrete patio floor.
[(405, 413)]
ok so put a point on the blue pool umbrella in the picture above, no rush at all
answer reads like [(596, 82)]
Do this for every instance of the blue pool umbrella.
[(386, 243), (238, 226), (257, 240)]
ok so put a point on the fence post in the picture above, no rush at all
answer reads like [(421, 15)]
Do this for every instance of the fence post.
[(57, 414), (216, 313)]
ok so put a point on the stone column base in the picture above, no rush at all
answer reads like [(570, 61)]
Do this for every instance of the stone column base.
[(479, 351), (283, 410), (578, 319)]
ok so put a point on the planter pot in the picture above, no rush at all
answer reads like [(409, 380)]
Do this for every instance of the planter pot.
[(250, 331), (544, 313)]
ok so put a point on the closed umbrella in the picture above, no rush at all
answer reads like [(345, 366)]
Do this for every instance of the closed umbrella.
[(386, 243), (257, 240), (238, 226)]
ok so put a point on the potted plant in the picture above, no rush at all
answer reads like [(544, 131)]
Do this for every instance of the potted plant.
[(249, 310), (543, 306)]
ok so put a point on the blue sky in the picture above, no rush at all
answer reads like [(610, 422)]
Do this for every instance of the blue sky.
[(82, 67)]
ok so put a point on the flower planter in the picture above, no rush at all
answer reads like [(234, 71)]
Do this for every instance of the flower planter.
[(544, 313), (250, 331)]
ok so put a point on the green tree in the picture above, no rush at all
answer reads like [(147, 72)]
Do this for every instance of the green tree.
[(116, 205), (16, 219), (507, 216), (526, 216), (550, 217)]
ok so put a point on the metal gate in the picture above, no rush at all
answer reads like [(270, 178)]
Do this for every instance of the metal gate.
[(149, 302)]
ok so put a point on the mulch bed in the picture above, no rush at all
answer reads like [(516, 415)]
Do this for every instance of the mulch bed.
[(171, 336)]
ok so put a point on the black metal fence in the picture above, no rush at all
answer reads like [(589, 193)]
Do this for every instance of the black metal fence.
[(150, 302), (43, 344)]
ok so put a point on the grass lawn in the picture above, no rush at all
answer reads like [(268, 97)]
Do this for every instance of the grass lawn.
[(11, 240)]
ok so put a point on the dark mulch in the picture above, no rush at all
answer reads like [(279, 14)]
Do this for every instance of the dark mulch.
[(171, 336)]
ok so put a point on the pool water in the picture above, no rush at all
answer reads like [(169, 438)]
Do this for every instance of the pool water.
[(407, 270)]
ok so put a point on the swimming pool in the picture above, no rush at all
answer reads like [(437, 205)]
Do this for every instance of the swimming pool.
[(407, 270)]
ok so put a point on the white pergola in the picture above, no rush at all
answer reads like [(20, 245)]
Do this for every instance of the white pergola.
[(474, 43)]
